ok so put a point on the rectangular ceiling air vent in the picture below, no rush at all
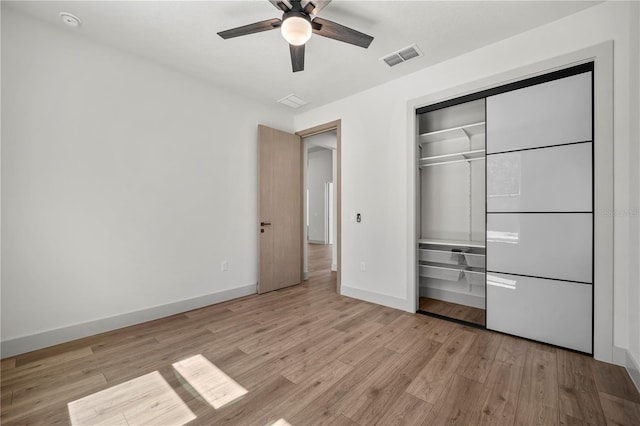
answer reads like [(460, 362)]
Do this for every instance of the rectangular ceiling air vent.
[(293, 101), (403, 55)]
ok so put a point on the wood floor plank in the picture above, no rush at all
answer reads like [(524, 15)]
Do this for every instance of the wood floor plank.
[(439, 330), (458, 404), (278, 334), (379, 339), (567, 420), (8, 363), (311, 389), (362, 316), (342, 420), (351, 362), (406, 411), (538, 397), (407, 338), (512, 350), (478, 362), (30, 400), (145, 400), (434, 377), (620, 411), (381, 389), (6, 396), (502, 386), (253, 409), (277, 361), (578, 394), (36, 367), (57, 390), (387, 315), (330, 404), (307, 365), (614, 380)]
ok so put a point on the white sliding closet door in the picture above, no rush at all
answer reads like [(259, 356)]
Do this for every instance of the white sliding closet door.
[(540, 211)]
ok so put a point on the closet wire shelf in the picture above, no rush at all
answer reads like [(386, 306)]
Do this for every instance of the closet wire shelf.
[(474, 276), (466, 131), (458, 157)]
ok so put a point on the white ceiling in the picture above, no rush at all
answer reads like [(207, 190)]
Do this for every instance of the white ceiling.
[(182, 35)]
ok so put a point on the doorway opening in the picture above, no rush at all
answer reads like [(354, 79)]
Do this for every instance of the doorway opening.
[(319, 176), (321, 193)]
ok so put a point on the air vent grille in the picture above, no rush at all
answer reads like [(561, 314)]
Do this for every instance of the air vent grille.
[(293, 101), (394, 59), (403, 55)]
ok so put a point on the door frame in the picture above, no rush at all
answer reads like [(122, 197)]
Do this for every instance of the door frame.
[(322, 128)]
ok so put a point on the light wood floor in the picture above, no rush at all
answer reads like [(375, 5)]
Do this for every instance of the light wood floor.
[(308, 356), (453, 310), (319, 257)]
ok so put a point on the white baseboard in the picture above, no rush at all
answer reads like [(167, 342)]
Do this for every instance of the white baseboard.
[(41, 340), (377, 298), (453, 297), (623, 358), (633, 367), (619, 356), (334, 267)]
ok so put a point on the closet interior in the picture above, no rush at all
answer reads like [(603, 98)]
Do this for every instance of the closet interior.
[(451, 244)]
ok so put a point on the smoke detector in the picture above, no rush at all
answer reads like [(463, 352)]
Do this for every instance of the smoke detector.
[(70, 19)]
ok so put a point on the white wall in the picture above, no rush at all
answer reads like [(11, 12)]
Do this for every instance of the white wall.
[(124, 187), (320, 171), (376, 182)]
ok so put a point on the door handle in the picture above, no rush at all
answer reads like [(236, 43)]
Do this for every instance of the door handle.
[(265, 223)]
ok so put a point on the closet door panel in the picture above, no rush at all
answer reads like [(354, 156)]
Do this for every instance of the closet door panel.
[(541, 180), (552, 113), (552, 245), (550, 311)]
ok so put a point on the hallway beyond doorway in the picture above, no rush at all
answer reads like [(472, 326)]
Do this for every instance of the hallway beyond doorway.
[(319, 257)]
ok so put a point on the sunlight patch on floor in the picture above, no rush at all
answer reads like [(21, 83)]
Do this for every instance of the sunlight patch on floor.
[(146, 400), (209, 381), (280, 422)]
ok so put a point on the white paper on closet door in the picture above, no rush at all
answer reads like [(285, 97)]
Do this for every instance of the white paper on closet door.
[(550, 245), (555, 312), (555, 179), (546, 114)]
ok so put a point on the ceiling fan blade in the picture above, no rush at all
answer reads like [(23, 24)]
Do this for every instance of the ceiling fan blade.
[(297, 57), (309, 8), (340, 32), (282, 5), (318, 6), (256, 27)]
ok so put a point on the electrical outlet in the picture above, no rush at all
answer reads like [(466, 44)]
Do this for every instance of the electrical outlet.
[(363, 266), (224, 266)]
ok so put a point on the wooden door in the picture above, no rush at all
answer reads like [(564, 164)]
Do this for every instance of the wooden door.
[(279, 209)]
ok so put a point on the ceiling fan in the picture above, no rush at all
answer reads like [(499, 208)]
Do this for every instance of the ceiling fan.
[(297, 24)]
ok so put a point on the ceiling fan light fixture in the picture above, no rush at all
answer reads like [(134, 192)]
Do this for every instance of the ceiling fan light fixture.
[(296, 29)]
